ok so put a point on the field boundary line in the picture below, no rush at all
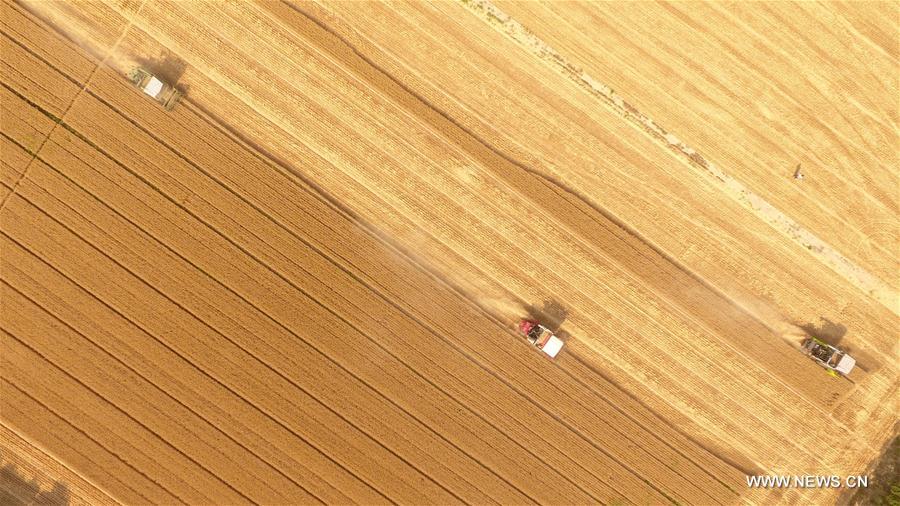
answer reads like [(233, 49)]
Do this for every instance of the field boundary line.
[(151, 335), (203, 322), (86, 435), (130, 416), (57, 121), (150, 382), (869, 284)]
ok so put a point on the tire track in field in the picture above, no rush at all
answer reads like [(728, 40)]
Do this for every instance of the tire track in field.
[(825, 253), (35, 333), (154, 356), (69, 106)]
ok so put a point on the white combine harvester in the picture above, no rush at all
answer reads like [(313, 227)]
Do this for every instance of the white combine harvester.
[(163, 93), (829, 357), (541, 337)]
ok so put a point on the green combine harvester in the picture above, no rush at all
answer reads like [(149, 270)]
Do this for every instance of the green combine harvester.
[(836, 361), (153, 87)]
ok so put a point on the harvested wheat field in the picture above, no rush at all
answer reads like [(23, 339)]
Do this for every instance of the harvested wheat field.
[(302, 283)]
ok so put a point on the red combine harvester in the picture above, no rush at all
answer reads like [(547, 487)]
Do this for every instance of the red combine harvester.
[(541, 337)]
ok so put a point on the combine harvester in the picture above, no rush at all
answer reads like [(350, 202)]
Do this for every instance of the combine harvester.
[(836, 361), (541, 337), (163, 93)]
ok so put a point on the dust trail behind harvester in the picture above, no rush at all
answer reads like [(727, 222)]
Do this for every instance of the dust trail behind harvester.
[(506, 308), (66, 18), (423, 249), (759, 309)]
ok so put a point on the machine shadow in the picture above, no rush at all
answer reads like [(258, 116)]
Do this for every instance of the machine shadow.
[(833, 334), (550, 313), (16, 489), (829, 331), (167, 66)]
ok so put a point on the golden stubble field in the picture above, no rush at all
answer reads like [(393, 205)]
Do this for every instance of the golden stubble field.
[(300, 285)]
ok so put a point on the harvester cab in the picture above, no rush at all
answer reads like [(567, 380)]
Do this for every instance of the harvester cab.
[(829, 357), (541, 337), (156, 89)]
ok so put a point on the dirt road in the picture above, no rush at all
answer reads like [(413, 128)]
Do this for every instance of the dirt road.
[(300, 285)]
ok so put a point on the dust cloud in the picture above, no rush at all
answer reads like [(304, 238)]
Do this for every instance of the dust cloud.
[(66, 18), (431, 254), (739, 305), (505, 308), (776, 321)]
